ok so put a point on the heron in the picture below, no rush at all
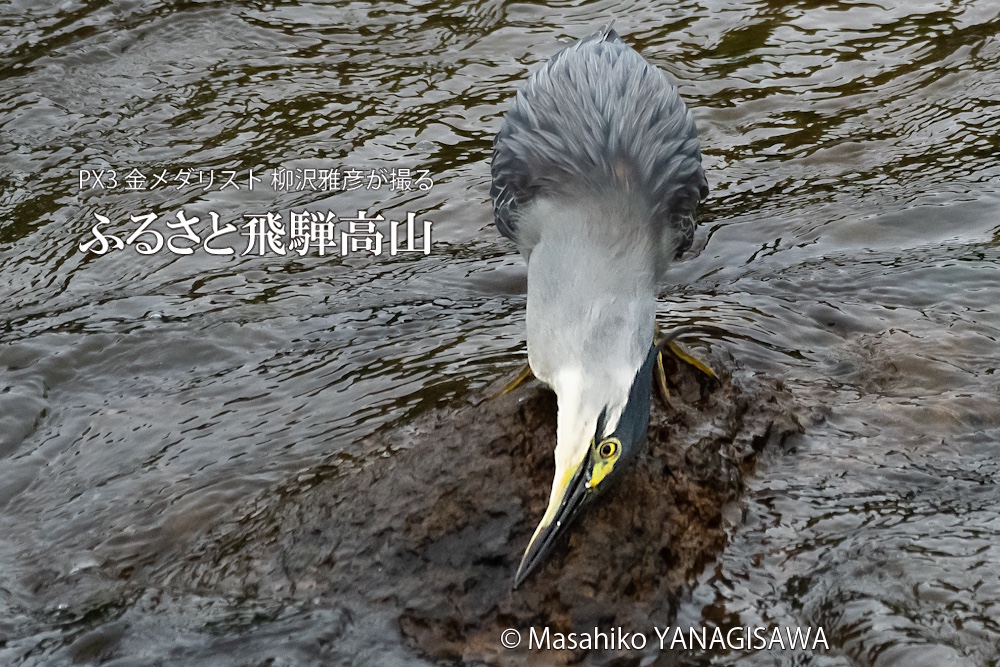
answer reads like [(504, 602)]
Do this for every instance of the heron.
[(597, 177)]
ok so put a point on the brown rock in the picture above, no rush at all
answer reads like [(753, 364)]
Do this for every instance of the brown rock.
[(434, 529)]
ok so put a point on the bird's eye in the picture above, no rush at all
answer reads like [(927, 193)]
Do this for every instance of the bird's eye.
[(608, 448), (606, 456)]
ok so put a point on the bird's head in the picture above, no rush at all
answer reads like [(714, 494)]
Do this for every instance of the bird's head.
[(595, 446)]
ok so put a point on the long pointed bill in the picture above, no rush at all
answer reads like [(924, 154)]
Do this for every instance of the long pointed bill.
[(564, 505)]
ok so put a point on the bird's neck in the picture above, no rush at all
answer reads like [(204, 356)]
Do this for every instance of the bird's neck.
[(591, 315), (592, 284)]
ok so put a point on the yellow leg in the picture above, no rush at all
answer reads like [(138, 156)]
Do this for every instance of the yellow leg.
[(691, 360), (681, 354), (661, 378), (518, 380)]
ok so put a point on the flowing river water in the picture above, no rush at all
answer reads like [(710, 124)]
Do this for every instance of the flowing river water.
[(850, 248)]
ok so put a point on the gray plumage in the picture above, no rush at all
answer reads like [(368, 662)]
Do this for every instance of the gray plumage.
[(598, 117), (597, 177)]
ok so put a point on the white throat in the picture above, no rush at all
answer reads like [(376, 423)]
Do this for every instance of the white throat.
[(591, 314)]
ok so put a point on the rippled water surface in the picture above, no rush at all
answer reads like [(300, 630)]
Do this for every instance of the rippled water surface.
[(850, 246)]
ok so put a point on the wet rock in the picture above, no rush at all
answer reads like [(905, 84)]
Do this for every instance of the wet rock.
[(434, 528)]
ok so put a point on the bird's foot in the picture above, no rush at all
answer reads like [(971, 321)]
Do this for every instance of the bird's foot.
[(668, 342), (691, 360), (522, 375)]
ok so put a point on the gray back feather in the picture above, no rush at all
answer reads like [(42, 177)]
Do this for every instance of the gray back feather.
[(598, 117)]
